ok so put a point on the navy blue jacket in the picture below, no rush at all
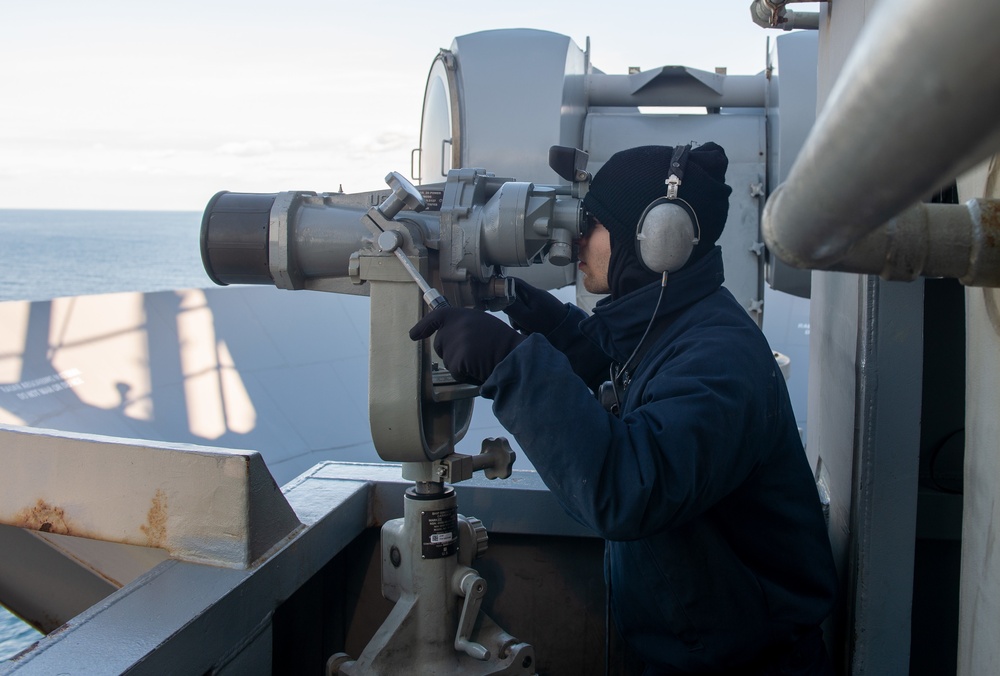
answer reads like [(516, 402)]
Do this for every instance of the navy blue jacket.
[(716, 542)]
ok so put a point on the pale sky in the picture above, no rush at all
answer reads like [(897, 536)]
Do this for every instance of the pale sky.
[(116, 104)]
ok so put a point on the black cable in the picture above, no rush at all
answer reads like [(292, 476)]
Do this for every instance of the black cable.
[(652, 320), (607, 563)]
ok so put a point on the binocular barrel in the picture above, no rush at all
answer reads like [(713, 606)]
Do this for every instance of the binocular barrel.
[(279, 238), (477, 223)]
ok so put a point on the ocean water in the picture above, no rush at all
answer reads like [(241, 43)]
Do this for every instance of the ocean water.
[(48, 254)]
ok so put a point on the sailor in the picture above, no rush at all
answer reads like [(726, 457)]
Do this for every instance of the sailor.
[(717, 555)]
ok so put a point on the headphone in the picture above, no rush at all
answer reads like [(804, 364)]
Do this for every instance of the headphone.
[(668, 229), (665, 236)]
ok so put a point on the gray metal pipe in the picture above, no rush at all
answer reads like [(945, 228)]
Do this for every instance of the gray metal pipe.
[(679, 86), (800, 20), (933, 240), (772, 14), (915, 105)]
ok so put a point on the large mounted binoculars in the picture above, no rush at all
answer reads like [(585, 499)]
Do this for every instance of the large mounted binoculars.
[(394, 246), (468, 228), (399, 246)]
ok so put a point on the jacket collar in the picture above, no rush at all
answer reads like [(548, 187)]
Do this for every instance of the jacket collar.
[(617, 325)]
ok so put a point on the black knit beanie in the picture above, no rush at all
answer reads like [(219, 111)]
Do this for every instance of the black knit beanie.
[(631, 179)]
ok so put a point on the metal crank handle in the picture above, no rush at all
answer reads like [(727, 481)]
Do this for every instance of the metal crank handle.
[(466, 582), (390, 240)]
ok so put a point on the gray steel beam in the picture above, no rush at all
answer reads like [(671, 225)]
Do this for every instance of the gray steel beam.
[(669, 86), (200, 504), (886, 468)]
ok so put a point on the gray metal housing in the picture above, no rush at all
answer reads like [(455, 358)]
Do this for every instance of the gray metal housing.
[(562, 99)]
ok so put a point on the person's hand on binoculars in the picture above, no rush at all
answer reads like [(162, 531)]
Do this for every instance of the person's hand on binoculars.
[(534, 310), (471, 343)]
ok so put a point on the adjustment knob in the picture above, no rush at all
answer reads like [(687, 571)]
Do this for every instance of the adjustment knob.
[(404, 196), (473, 540)]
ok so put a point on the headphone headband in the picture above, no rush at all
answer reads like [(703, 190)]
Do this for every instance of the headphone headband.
[(677, 165)]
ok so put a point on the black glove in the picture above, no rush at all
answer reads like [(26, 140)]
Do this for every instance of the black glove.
[(471, 343), (534, 310)]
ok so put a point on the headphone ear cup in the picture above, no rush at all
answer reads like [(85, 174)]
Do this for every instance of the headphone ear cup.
[(666, 235)]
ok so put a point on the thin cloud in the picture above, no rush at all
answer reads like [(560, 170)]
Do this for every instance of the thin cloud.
[(389, 142), (252, 148)]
